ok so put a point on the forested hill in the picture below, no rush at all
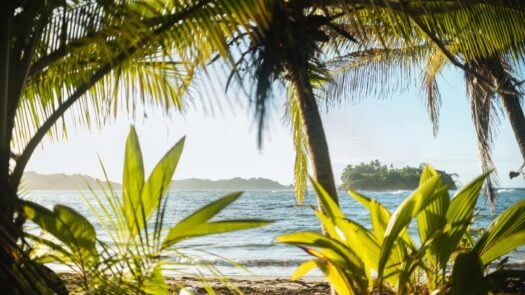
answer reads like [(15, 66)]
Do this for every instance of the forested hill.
[(378, 177), (60, 181), (234, 184)]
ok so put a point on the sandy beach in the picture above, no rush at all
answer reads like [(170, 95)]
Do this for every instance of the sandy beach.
[(257, 285), (246, 284), (265, 285)]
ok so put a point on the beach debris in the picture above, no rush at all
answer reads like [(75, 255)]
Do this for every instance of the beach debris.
[(188, 291)]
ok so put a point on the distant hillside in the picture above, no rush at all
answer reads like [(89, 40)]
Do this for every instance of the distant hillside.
[(35, 181), (238, 184)]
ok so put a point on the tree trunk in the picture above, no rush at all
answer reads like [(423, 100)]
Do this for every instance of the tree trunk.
[(315, 137), (7, 230), (511, 104), (514, 112)]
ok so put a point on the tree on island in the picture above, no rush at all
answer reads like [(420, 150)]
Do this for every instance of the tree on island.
[(375, 176)]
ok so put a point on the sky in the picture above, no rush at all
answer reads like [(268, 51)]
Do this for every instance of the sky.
[(223, 145)]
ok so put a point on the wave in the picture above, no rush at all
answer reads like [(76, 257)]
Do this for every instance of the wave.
[(217, 246), (506, 190), (398, 192), (252, 262)]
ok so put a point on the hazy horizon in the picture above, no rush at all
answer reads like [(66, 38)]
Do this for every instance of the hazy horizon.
[(199, 178), (395, 131)]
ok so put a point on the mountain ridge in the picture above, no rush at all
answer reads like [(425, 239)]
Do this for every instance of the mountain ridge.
[(62, 181)]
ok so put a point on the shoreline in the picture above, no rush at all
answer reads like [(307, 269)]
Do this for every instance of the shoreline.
[(260, 284), (247, 284)]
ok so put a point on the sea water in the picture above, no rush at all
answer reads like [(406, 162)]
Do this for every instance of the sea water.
[(255, 251)]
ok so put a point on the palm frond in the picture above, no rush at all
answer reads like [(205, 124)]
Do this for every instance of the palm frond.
[(376, 72), (301, 152), (435, 63), (485, 119)]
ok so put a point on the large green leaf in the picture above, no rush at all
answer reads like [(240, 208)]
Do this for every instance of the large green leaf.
[(330, 249), (156, 187), (338, 280), (379, 218), (303, 269), (68, 226), (401, 218), (132, 180), (505, 233), (327, 203), (379, 214), (197, 223), (433, 217), (357, 238), (155, 282), (217, 227), (361, 241), (459, 217), (466, 274)]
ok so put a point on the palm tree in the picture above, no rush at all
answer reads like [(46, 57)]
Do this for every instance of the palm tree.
[(451, 28), (85, 56), (481, 38), (288, 47)]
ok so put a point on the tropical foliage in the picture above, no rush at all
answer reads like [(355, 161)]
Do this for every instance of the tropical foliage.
[(131, 261), (377, 177), (96, 58), (429, 40), (350, 254), (86, 56)]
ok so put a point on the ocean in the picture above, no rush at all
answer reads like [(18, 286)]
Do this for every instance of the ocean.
[(255, 251)]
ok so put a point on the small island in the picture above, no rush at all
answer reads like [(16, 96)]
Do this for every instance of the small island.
[(375, 176)]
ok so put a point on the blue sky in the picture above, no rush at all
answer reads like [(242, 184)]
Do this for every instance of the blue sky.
[(394, 130)]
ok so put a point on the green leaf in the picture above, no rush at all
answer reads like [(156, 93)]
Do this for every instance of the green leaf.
[(459, 217), (504, 234), (360, 198), (301, 155), (433, 217), (303, 269), (160, 179), (329, 249), (379, 214), (363, 242), (401, 218), (427, 173), (463, 204), (327, 203), (505, 245), (155, 283), (211, 228), (52, 251), (338, 280), (197, 223), (132, 180), (466, 274), (379, 218), (68, 226)]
